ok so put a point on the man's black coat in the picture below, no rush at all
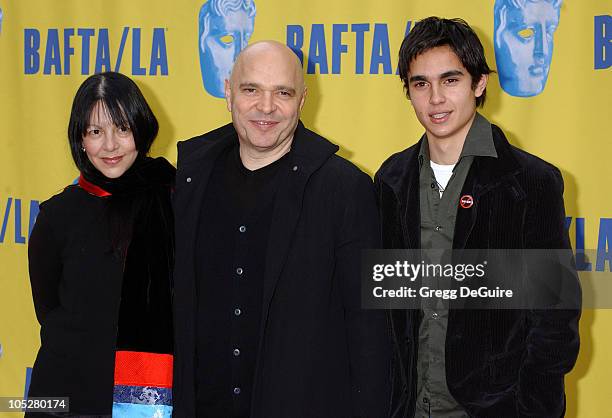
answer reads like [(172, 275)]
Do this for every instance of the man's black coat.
[(320, 355), (499, 363)]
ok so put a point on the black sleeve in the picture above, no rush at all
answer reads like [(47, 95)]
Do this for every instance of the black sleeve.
[(369, 342), (44, 265), (553, 340)]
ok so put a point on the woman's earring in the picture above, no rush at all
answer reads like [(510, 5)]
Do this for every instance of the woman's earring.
[(83, 148)]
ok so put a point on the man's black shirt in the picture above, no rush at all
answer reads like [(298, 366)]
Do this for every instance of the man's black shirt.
[(232, 246)]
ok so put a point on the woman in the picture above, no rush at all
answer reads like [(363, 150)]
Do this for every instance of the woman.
[(100, 259)]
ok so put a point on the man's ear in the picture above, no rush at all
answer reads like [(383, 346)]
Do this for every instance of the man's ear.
[(303, 99), (482, 84)]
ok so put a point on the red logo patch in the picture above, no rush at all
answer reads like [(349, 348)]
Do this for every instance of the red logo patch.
[(466, 201)]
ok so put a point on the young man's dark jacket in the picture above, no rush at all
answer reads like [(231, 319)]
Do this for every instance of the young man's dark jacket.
[(320, 355), (499, 363)]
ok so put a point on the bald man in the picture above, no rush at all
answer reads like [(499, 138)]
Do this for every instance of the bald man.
[(269, 228)]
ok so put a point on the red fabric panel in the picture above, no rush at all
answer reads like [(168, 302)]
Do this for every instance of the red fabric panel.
[(134, 368)]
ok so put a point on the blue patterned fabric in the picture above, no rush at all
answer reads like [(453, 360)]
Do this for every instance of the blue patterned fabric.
[(130, 410), (143, 395)]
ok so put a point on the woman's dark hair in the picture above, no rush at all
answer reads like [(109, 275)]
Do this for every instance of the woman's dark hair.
[(126, 106), (433, 32)]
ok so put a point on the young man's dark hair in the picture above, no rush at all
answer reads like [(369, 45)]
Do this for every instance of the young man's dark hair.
[(433, 32)]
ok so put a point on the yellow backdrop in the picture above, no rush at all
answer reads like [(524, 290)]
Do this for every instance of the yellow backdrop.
[(47, 48)]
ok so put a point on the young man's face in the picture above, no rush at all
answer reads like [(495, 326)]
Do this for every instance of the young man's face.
[(441, 93)]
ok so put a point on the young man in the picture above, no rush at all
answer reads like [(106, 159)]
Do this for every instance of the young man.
[(463, 186)]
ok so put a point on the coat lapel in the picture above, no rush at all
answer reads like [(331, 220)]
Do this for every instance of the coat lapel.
[(486, 174), (309, 152), (196, 161), (466, 217), (411, 221), (403, 178), (285, 216)]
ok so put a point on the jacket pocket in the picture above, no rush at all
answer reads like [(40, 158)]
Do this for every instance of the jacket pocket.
[(504, 367)]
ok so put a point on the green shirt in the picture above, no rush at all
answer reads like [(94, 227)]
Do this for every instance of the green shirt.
[(438, 215)]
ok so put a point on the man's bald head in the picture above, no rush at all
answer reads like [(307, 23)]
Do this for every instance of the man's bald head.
[(265, 94), (272, 53)]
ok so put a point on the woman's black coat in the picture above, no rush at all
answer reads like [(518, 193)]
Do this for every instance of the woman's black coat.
[(76, 286), (85, 290)]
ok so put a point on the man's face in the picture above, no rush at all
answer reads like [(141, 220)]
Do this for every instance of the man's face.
[(441, 93), (524, 46), (220, 45), (265, 96)]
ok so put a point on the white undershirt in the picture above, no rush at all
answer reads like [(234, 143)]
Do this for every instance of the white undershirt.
[(443, 174)]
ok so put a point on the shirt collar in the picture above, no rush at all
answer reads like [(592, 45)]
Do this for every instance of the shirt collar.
[(479, 141)]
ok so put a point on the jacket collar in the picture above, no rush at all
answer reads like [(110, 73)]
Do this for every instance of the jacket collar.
[(487, 174), (478, 142), (491, 172), (197, 156), (309, 152), (401, 174), (308, 148)]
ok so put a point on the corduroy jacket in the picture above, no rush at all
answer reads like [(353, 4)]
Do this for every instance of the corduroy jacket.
[(499, 363)]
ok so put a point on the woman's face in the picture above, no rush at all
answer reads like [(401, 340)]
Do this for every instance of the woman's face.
[(111, 149)]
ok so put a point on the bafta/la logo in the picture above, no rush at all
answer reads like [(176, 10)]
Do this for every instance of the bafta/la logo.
[(225, 27), (1, 16), (523, 39)]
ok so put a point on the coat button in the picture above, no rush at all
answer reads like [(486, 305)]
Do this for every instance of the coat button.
[(239, 271), (237, 312), (295, 168), (242, 228), (435, 315), (188, 180), (438, 228), (236, 352), (236, 391)]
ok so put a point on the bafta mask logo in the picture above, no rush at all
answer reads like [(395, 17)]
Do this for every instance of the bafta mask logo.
[(523, 38), (225, 27), (1, 16)]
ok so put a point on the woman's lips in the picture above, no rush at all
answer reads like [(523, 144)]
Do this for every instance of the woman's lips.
[(112, 160)]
